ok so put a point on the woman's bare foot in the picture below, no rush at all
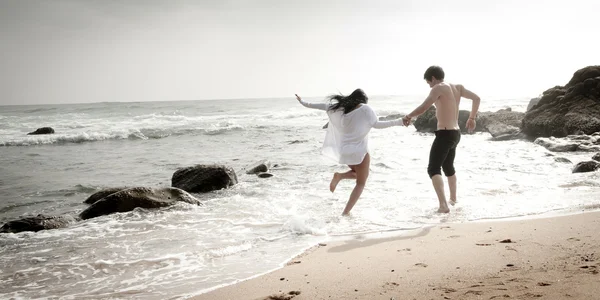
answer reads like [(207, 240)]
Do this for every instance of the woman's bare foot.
[(443, 209), (452, 202), (334, 181)]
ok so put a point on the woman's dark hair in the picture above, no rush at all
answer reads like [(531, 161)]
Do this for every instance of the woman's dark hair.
[(434, 71), (348, 103)]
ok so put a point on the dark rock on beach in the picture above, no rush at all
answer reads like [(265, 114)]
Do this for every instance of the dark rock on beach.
[(586, 166), (533, 102), (264, 175), (128, 199), (103, 193), (37, 223), (43, 130), (204, 178), (596, 157), (566, 110), (562, 160), (258, 167)]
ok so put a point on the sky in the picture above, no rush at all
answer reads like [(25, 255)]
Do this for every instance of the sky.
[(82, 51)]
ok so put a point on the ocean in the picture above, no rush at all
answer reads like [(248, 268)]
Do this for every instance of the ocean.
[(254, 226)]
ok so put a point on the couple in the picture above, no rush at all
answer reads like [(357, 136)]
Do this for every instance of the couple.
[(351, 119)]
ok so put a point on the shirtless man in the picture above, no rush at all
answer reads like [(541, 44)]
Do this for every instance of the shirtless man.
[(446, 97)]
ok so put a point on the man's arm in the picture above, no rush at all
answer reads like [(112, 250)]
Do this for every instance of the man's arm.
[(434, 94), (470, 95)]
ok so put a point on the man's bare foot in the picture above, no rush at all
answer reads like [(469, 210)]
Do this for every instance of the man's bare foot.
[(452, 202), (334, 181), (443, 210)]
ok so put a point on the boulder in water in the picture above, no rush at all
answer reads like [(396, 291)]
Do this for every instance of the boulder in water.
[(37, 223), (586, 166), (128, 199), (258, 167), (204, 178), (103, 193), (562, 160), (43, 130), (596, 157), (264, 175)]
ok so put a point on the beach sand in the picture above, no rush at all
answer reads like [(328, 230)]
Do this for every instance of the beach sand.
[(554, 257)]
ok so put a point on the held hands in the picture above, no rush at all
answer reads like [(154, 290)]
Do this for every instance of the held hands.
[(406, 120), (471, 125)]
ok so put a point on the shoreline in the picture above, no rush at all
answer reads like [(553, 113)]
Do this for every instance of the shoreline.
[(298, 273)]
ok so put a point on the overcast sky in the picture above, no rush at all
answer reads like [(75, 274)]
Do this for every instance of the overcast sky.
[(67, 51)]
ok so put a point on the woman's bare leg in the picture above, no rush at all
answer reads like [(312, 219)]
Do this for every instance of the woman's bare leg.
[(362, 173), (339, 176)]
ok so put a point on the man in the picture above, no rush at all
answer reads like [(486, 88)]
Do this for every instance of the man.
[(446, 97)]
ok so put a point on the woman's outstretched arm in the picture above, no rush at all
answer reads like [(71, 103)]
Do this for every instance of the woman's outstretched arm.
[(321, 106)]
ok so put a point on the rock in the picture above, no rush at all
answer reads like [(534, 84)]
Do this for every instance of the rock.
[(569, 109), (37, 223), (43, 130), (325, 126), (533, 102), (128, 199), (586, 166), (264, 175), (261, 166), (503, 132), (570, 143), (103, 193), (562, 160), (204, 178), (556, 145), (426, 122), (596, 157)]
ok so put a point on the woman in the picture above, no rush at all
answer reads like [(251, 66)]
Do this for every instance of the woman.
[(346, 140)]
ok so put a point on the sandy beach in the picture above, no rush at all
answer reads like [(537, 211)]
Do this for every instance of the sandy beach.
[(554, 257)]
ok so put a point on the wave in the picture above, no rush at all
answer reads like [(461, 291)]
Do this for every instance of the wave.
[(40, 109), (132, 134)]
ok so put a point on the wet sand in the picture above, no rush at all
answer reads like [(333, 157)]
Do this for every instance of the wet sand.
[(554, 257)]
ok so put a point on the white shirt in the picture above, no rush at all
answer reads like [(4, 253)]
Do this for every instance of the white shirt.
[(347, 137)]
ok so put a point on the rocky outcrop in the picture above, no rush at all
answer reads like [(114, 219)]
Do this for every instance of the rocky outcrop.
[(533, 102), (566, 110), (37, 223), (103, 193), (586, 166), (589, 143), (43, 130), (204, 178), (129, 199)]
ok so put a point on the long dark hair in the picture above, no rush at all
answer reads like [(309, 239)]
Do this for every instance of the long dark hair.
[(348, 103)]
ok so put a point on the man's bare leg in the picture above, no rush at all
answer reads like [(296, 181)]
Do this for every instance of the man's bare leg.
[(452, 187), (339, 176), (438, 185)]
